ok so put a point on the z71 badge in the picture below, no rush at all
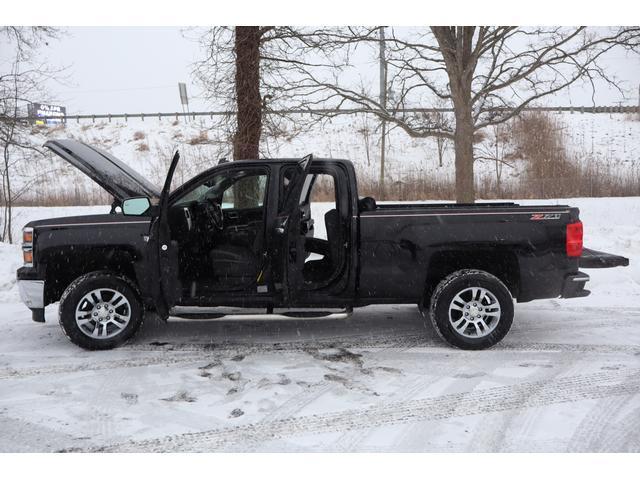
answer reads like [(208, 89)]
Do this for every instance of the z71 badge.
[(545, 216)]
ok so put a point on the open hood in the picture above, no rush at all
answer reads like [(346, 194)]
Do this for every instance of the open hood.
[(103, 168)]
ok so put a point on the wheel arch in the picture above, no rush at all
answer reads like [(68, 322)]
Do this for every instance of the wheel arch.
[(503, 265), (65, 265)]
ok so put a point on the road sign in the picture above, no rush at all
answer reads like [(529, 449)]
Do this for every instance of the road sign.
[(182, 87)]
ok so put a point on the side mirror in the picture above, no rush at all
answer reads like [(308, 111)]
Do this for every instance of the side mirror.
[(135, 206)]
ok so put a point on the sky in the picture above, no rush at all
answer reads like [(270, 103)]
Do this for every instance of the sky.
[(137, 70), (124, 69)]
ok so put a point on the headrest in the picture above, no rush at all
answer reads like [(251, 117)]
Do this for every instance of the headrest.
[(367, 204)]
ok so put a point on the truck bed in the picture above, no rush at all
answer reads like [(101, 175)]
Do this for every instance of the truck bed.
[(401, 242)]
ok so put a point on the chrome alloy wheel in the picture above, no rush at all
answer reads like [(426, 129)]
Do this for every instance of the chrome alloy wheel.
[(103, 313), (474, 312)]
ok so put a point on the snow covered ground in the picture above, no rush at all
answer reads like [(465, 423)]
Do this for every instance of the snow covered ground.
[(609, 142), (566, 378)]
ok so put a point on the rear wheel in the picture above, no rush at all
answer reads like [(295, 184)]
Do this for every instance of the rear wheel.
[(100, 310), (471, 309)]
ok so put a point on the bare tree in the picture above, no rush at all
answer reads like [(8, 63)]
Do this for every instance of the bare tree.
[(486, 76), (246, 141), (495, 150), (18, 87), (263, 91)]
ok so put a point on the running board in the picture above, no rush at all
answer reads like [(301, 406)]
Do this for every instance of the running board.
[(181, 314)]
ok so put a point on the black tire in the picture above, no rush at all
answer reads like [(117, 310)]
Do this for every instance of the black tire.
[(82, 286), (458, 282)]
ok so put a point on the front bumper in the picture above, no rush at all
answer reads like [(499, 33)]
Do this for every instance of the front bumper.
[(32, 293), (573, 286)]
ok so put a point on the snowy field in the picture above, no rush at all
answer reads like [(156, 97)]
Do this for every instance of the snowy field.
[(610, 142), (566, 378)]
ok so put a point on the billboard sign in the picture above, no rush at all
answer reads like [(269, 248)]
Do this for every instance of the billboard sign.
[(45, 114)]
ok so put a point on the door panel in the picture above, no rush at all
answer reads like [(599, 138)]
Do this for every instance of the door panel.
[(289, 225), (328, 277), (162, 252)]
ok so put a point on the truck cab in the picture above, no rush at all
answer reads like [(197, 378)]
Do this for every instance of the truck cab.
[(245, 234)]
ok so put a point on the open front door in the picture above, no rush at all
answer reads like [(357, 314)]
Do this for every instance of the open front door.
[(163, 252), (289, 226)]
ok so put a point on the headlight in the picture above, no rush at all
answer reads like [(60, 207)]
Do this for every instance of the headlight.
[(27, 246)]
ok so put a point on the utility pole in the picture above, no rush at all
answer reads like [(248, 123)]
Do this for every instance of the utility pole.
[(383, 104)]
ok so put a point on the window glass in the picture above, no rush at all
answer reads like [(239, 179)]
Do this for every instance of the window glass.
[(235, 189), (247, 192), (322, 198)]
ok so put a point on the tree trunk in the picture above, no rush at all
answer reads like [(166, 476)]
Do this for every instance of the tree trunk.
[(456, 45), (246, 140), (463, 140)]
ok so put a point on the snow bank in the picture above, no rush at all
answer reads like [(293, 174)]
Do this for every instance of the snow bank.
[(610, 141)]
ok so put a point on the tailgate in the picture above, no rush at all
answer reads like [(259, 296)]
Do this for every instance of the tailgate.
[(594, 259)]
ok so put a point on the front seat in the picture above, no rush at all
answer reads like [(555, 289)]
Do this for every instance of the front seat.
[(232, 261), (236, 262), (334, 236), (320, 270)]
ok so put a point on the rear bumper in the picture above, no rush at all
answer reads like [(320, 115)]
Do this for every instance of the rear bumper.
[(573, 285), (32, 293)]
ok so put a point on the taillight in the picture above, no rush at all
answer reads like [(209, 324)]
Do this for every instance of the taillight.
[(574, 239), (27, 246)]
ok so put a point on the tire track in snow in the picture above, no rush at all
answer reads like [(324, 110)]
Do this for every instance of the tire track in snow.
[(307, 397), (350, 440), (622, 436), (491, 432), (10, 373), (402, 341), (496, 399), (179, 353), (588, 435)]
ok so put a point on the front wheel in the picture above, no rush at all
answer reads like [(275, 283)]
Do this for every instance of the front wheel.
[(100, 310), (471, 309)]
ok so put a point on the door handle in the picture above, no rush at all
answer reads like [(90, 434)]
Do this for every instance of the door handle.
[(233, 215), (281, 224)]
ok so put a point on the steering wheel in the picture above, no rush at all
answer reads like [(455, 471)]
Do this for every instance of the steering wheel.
[(213, 211)]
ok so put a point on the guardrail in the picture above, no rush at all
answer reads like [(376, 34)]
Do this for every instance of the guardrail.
[(211, 114)]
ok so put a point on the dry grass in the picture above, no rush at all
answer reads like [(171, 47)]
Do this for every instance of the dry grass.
[(548, 170), (80, 195), (200, 139), (139, 136)]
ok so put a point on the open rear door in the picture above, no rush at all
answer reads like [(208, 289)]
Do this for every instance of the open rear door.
[(288, 228), (163, 252)]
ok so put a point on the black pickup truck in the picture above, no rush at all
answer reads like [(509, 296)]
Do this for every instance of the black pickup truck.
[(243, 234)]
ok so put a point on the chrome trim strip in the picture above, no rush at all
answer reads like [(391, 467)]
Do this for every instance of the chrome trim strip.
[(91, 224), (175, 311), (456, 214), (581, 277), (32, 293)]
